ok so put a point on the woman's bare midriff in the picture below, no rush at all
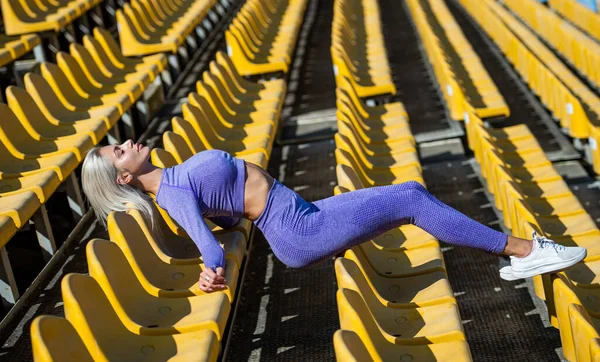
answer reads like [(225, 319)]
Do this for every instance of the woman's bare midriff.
[(257, 186)]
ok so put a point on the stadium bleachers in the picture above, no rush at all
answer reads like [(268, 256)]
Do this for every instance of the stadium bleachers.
[(140, 298), (262, 37), (459, 72), (95, 87)]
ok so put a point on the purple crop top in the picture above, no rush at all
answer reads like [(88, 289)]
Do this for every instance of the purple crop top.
[(209, 185)]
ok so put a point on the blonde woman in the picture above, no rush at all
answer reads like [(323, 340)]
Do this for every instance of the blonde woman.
[(213, 184)]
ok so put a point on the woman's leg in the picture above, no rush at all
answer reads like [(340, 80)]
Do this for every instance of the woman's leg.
[(378, 209)]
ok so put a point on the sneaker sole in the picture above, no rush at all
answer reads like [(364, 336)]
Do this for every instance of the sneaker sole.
[(509, 277), (549, 268)]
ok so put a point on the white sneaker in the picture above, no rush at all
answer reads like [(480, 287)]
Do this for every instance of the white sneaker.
[(545, 257), (506, 273)]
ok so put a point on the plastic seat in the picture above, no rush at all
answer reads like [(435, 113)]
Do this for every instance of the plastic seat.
[(81, 137), (274, 87), (87, 87), (134, 87), (43, 184), (159, 278), (381, 350), (406, 292), (400, 263), (148, 69), (564, 296), (257, 47), (142, 33), (111, 49), (411, 171), (207, 99), (52, 107), (418, 326), (143, 313), (185, 130), (258, 98), (7, 229), (232, 141), (585, 329), (234, 101), (106, 338), (20, 207), (55, 339), (172, 249)]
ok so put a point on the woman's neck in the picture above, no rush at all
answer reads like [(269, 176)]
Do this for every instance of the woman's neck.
[(150, 181)]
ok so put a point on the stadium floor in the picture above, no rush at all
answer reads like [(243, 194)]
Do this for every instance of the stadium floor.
[(290, 315)]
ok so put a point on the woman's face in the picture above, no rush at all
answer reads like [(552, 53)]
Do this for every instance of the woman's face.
[(127, 157)]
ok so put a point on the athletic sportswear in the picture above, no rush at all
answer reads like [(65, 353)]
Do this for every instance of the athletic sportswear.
[(300, 233)]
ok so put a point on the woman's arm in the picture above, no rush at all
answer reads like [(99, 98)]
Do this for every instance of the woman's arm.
[(188, 215)]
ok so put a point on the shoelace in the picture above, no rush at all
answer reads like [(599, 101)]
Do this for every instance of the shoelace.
[(544, 242)]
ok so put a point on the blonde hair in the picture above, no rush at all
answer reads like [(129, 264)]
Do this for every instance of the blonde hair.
[(99, 180)]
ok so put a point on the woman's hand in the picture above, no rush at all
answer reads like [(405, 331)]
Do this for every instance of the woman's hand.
[(211, 281)]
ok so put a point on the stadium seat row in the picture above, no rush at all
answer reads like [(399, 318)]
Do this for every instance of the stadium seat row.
[(148, 27), (358, 50), (458, 69), (554, 93), (394, 298), (533, 196), (14, 47), (262, 37), (32, 16), (141, 299), (575, 46), (578, 14), (588, 99), (47, 128)]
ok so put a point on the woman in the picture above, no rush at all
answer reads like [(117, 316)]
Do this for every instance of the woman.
[(213, 184)]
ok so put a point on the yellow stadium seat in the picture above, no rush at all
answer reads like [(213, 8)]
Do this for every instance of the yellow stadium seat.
[(106, 338), (111, 50), (159, 278), (21, 144), (369, 177), (73, 97), (417, 326), (239, 117), (12, 167), (382, 350), (585, 329), (134, 86), (407, 292), (86, 87), (144, 314), (20, 207), (178, 146), (401, 263), (55, 339), (257, 98), (7, 229), (270, 88), (81, 137), (360, 137), (53, 109), (43, 184), (348, 347), (234, 244), (233, 141)]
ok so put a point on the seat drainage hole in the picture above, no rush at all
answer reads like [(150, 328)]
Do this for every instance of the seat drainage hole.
[(153, 326), (147, 349)]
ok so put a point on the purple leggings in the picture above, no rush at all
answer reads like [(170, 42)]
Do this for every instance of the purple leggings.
[(302, 233)]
